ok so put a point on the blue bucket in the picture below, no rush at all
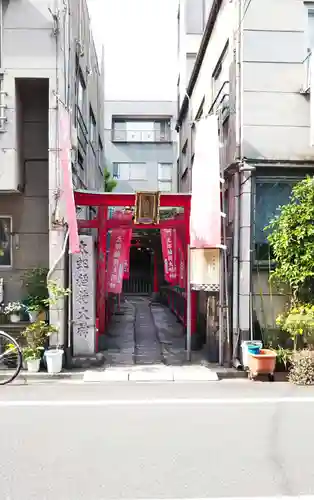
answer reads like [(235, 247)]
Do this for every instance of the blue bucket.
[(254, 349)]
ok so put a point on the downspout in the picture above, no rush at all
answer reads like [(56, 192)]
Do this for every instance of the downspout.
[(236, 244)]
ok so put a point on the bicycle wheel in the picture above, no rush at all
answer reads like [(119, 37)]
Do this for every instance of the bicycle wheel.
[(10, 358)]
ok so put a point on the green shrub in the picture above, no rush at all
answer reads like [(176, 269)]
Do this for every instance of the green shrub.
[(302, 367)]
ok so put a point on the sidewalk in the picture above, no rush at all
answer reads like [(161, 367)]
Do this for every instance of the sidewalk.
[(136, 373)]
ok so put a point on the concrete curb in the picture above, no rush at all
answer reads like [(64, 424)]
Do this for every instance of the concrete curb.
[(225, 372), (47, 377)]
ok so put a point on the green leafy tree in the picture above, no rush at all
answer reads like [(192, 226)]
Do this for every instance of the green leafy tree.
[(109, 182), (292, 240)]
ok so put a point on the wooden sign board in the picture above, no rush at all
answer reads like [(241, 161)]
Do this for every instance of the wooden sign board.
[(147, 207)]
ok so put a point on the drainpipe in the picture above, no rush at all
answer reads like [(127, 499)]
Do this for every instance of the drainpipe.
[(236, 229)]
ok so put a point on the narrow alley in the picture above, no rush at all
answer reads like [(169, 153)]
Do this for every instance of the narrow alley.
[(144, 332)]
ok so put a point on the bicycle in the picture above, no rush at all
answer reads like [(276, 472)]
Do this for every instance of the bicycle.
[(10, 358)]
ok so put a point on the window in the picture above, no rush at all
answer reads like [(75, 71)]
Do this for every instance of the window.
[(100, 154), (165, 177), (195, 16), (92, 128), (221, 72), (165, 171), (129, 171), (5, 241), (81, 94), (80, 161), (190, 61), (269, 196), (310, 36), (165, 186), (141, 131)]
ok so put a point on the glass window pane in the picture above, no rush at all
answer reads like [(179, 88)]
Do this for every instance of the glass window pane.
[(5, 241), (124, 171), (137, 171), (164, 186), (194, 13), (165, 171), (311, 29), (269, 197)]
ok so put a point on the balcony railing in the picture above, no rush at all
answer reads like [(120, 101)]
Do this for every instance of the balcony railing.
[(141, 136)]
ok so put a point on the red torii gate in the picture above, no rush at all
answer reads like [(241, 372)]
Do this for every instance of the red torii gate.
[(105, 200)]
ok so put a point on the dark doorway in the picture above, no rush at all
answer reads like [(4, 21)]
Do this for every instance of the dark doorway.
[(141, 272)]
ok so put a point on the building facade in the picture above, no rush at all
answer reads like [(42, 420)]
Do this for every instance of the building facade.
[(51, 95), (252, 71), (140, 145), (192, 17)]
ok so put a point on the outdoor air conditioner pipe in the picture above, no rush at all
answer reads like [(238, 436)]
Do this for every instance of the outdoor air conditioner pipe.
[(53, 267)]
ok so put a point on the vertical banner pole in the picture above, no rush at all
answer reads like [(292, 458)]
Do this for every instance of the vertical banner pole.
[(188, 307), (221, 311)]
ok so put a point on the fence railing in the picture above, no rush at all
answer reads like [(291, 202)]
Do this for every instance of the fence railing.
[(141, 136)]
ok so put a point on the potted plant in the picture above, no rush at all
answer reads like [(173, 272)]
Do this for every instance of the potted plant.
[(35, 336), (54, 356), (14, 310), (34, 307), (32, 357)]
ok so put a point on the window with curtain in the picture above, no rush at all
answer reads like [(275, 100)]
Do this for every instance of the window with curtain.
[(269, 196)]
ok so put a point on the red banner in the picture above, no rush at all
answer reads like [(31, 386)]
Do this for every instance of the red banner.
[(126, 273), (125, 217), (67, 186), (181, 275), (119, 252), (168, 245)]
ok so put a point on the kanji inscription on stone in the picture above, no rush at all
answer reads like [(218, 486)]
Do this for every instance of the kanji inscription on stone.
[(83, 295)]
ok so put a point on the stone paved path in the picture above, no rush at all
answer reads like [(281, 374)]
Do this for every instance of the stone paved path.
[(144, 333)]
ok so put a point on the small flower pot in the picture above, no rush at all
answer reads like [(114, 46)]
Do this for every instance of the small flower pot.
[(33, 365), (15, 318), (33, 316), (54, 359)]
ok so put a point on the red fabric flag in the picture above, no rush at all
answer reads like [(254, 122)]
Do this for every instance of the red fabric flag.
[(168, 245), (67, 184)]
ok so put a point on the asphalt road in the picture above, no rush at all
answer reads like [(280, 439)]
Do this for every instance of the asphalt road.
[(156, 441)]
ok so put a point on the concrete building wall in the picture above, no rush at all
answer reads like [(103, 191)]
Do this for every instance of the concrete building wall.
[(44, 39), (261, 50), (29, 209), (148, 153), (276, 115)]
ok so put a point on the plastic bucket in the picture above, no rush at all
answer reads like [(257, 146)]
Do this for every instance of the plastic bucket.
[(253, 344), (54, 360), (254, 349)]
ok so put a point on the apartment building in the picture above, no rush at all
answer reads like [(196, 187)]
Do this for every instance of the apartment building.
[(140, 145), (51, 91), (253, 71)]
